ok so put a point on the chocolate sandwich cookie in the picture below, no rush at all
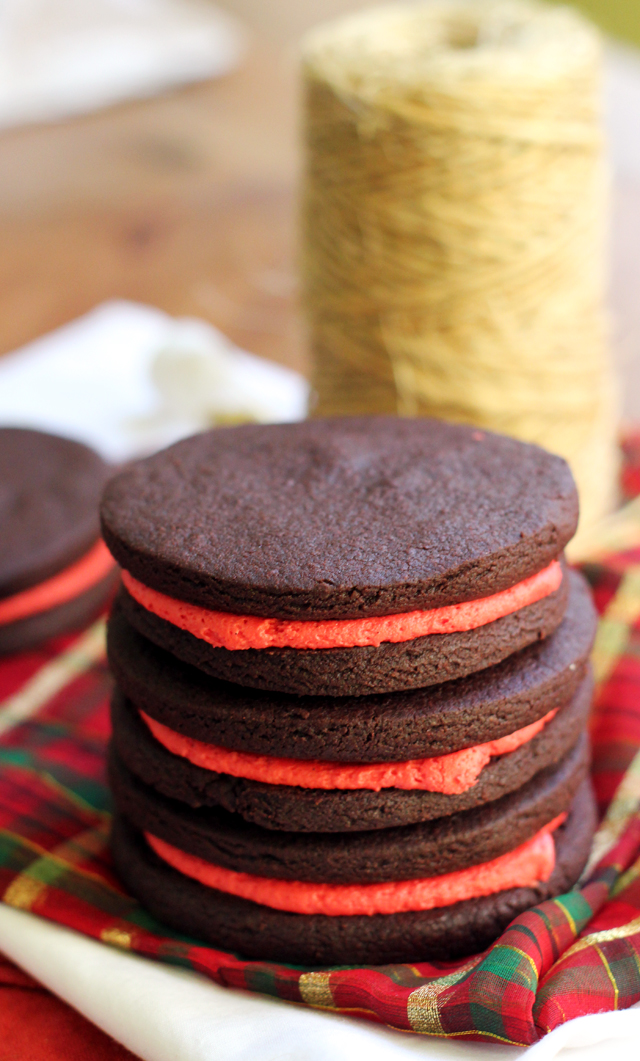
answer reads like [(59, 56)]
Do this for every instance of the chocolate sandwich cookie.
[(363, 670), (259, 931), (280, 806), (343, 557), (385, 727), (340, 518), (425, 849), (55, 572), (73, 614)]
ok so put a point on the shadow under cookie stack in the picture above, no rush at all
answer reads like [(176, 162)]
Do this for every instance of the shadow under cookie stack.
[(352, 686)]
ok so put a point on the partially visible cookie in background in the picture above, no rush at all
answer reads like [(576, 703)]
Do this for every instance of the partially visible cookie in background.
[(55, 572)]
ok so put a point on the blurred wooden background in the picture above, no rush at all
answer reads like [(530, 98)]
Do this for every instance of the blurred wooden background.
[(185, 201)]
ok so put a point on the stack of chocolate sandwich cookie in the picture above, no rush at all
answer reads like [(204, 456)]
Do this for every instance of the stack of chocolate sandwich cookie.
[(55, 572), (352, 684)]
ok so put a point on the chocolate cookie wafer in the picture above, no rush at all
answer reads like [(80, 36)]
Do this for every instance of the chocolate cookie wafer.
[(55, 572), (441, 932), (343, 557)]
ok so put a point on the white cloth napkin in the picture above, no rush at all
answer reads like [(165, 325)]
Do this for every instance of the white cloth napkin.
[(65, 57), (163, 1013), (128, 379)]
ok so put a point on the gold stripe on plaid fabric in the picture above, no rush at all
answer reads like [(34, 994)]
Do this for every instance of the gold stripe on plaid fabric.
[(315, 990), (65, 856), (423, 1010), (605, 936), (623, 806), (615, 625), (24, 892), (566, 912), (626, 878), (66, 795), (612, 979), (118, 936), (50, 679), (90, 842)]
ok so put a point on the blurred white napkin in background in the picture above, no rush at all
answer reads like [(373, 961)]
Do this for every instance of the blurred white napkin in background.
[(65, 57), (129, 379)]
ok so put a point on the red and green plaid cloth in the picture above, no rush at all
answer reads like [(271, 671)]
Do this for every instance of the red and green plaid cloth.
[(577, 954)]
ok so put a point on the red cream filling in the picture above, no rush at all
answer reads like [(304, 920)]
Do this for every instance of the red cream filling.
[(450, 774), (524, 867), (60, 588), (226, 630)]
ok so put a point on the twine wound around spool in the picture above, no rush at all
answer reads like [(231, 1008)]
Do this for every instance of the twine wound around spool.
[(453, 224)]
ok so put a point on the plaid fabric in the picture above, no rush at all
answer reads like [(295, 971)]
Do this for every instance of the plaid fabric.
[(577, 954)]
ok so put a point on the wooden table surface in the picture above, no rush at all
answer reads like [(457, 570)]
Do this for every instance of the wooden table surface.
[(185, 201)]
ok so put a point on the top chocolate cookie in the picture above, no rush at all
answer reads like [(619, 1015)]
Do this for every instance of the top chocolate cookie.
[(49, 493), (340, 518)]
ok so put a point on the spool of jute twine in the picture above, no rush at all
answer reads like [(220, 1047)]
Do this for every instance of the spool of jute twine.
[(453, 224)]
